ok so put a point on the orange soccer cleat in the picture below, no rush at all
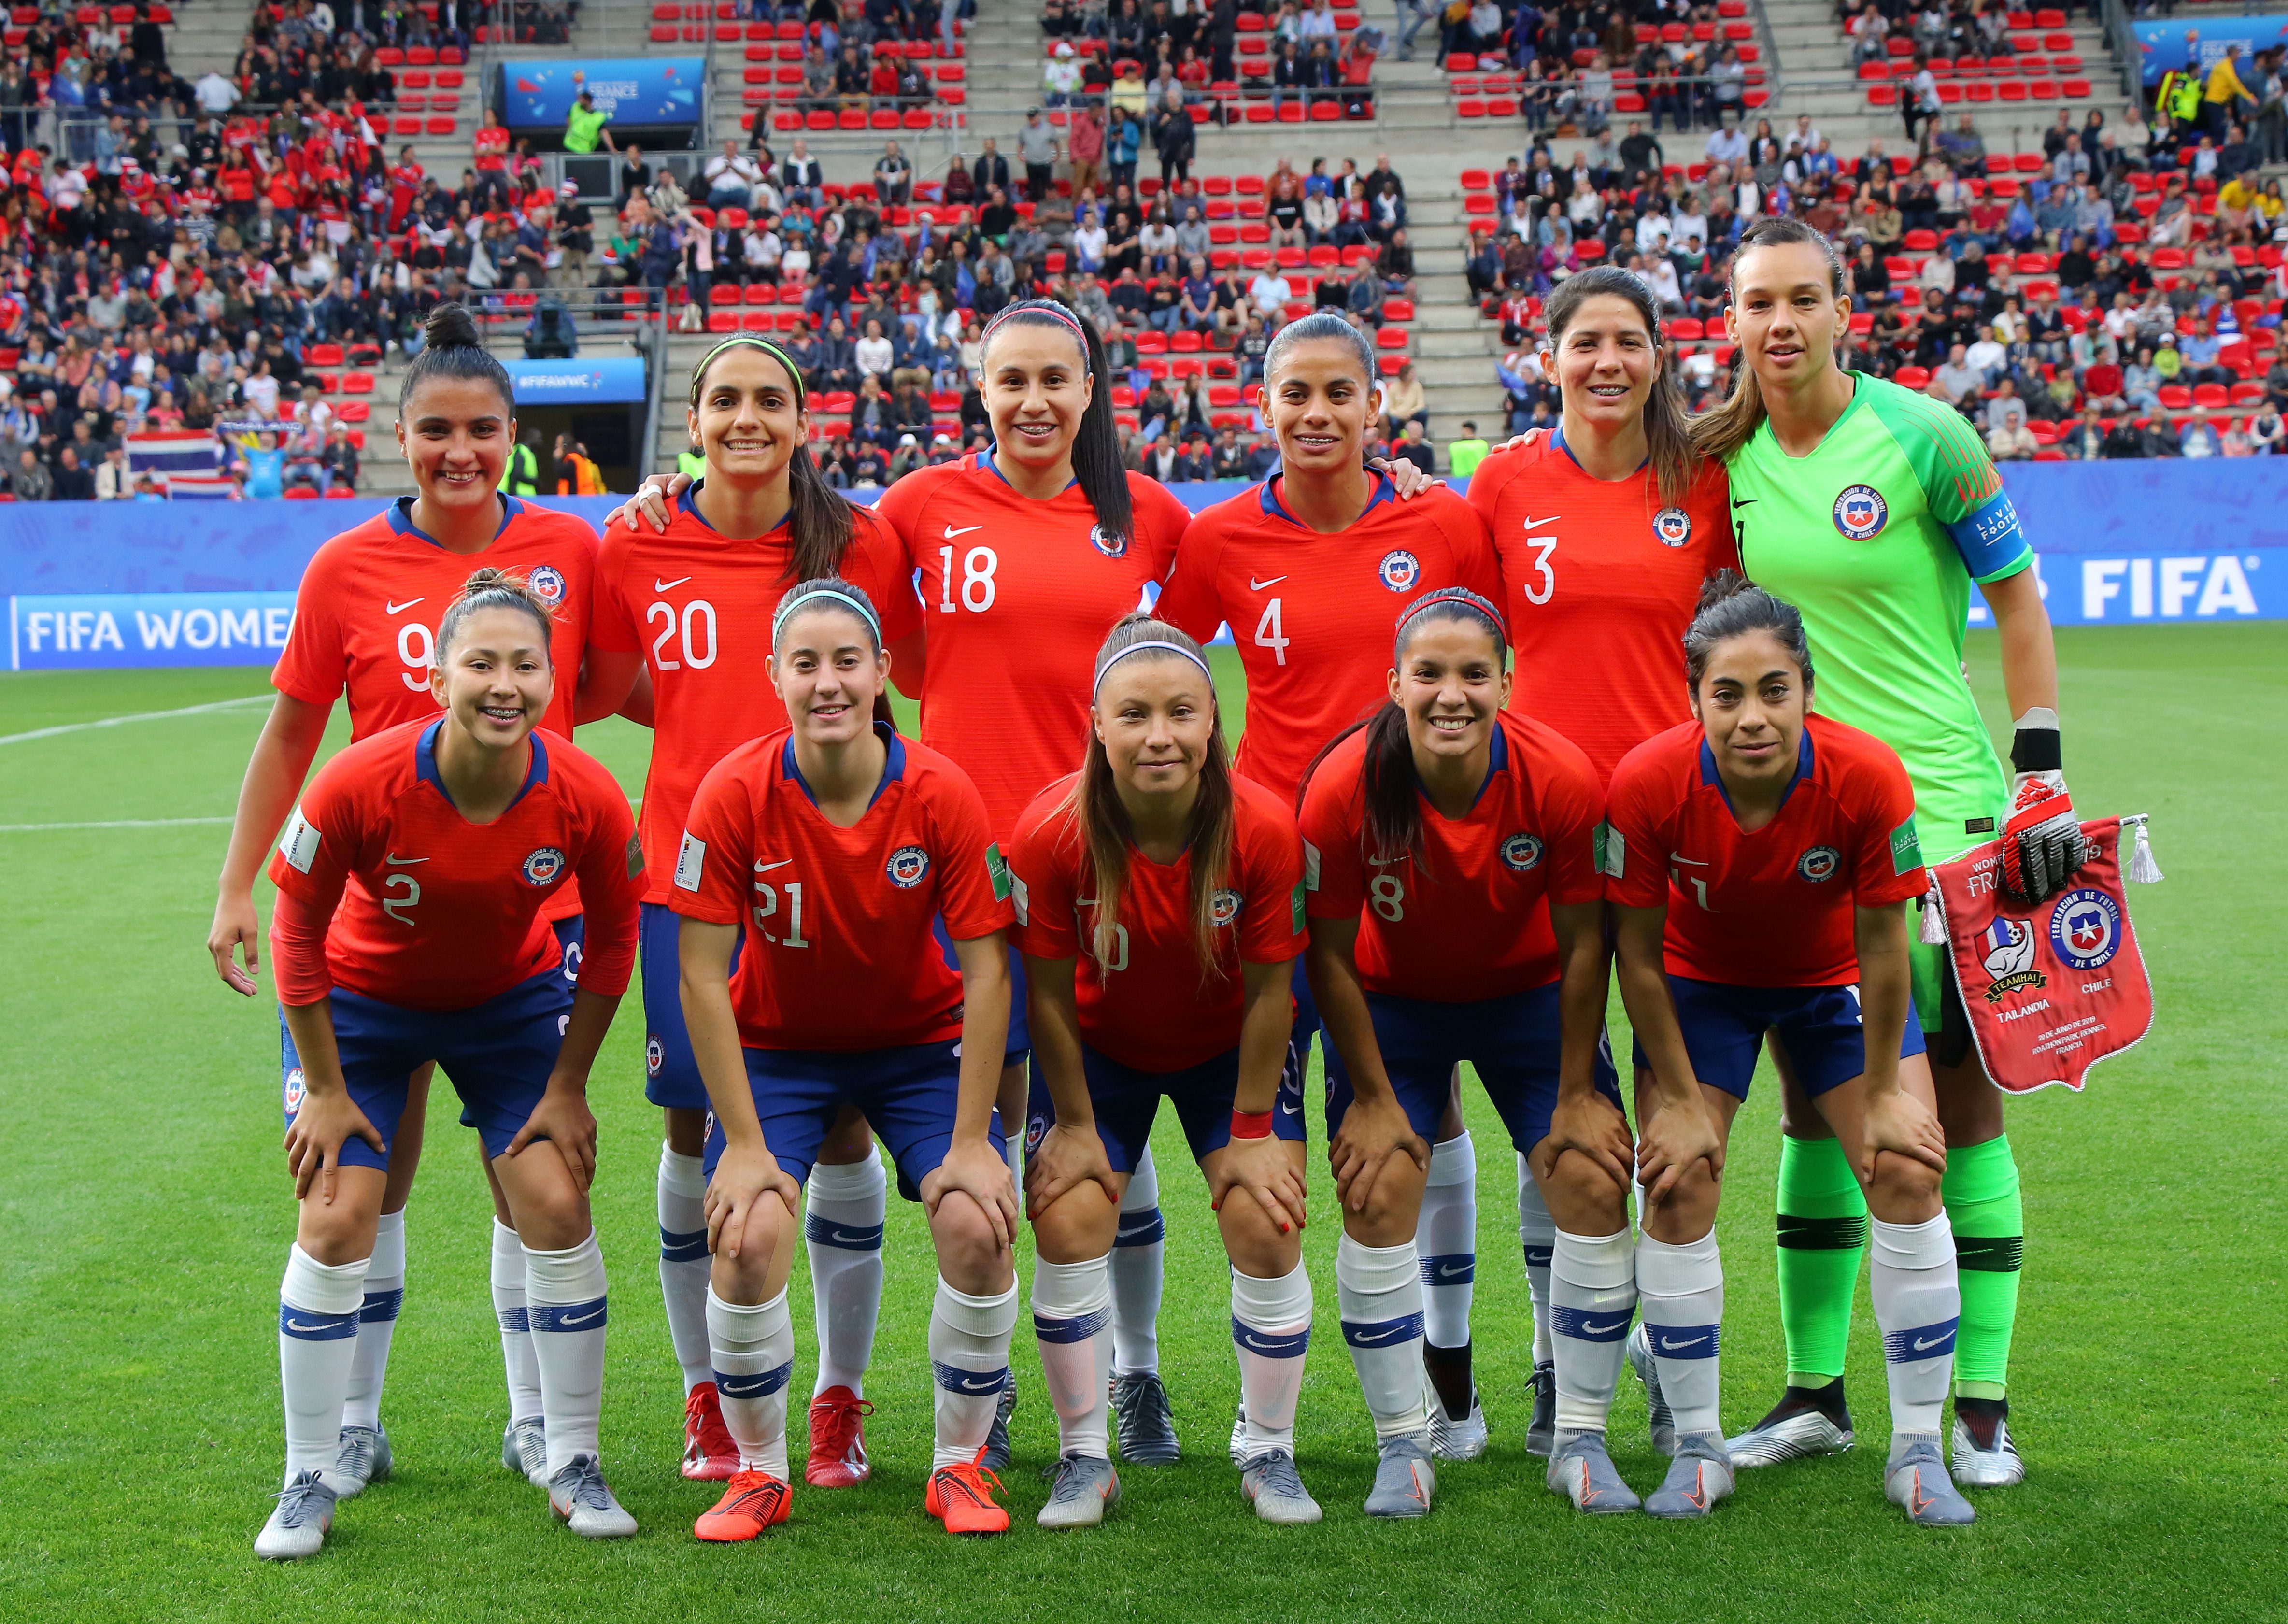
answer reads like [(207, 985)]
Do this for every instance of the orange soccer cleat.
[(837, 1440), (961, 1497), (708, 1454), (755, 1501)]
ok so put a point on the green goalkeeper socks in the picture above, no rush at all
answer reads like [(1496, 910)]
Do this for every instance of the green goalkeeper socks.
[(1989, 1222), (1822, 1233)]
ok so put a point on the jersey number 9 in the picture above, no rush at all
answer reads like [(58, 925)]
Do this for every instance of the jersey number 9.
[(416, 648)]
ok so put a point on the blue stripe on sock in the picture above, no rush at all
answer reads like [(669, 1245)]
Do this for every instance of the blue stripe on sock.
[(1270, 1344), (1538, 1257), (1921, 1342), (755, 1384), (381, 1307), (849, 1237), (1078, 1329), (587, 1315), (1382, 1333), (303, 1326), (681, 1248), (1590, 1325), (1682, 1341), (518, 1321), (1145, 1228), (970, 1383), (1450, 1269)]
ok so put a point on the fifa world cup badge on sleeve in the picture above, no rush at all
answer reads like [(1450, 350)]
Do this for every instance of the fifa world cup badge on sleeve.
[(690, 863), (2051, 991), (299, 844)]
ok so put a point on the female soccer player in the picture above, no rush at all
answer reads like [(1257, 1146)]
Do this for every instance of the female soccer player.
[(1155, 881), (362, 627), (1306, 567), (1872, 509), (1444, 819), (1779, 909), (1605, 531), (440, 843), (829, 847), (686, 607)]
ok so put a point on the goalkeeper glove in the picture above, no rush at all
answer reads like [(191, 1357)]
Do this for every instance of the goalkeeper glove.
[(2042, 842)]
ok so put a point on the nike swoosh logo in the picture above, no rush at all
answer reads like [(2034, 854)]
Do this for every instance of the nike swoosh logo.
[(583, 1319), (1368, 1339), (1255, 585), (1921, 1346), (1454, 1271), (969, 1384), (659, 585), (1588, 1329), (1666, 1346), (1742, 501), (394, 861), (843, 1237), (1535, 524), (764, 868), (950, 532), (1253, 1346), (323, 1324), (1292, 1110), (399, 608), (1678, 857), (1384, 862)]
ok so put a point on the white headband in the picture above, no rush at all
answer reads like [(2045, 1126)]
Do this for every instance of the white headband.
[(1113, 659), (787, 610)]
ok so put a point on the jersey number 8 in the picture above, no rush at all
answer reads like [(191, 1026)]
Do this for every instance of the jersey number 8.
[(977, 585), (1387, 894)]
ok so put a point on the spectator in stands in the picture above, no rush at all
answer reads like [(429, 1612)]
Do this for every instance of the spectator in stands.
[(2196, 438), (1404, 401), (584, 126), (29, 480), (1174, 139)]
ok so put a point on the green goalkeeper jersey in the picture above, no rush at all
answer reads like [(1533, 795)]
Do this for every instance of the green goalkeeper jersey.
[(1876, 537)]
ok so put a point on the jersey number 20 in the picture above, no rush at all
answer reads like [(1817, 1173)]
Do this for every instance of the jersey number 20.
[(694, 630)]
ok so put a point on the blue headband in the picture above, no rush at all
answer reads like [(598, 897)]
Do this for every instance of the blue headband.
[(805, 594)]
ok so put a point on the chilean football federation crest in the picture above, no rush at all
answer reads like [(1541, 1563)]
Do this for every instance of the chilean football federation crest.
[(2085, 928), (1521, 851), (543, 866), (1111, 546), (1859, 511), (909, 867), (1672, 527), (1223, 908), (2009, 946), (1399, 569), (547, 585), (297, 1091), (654, 1055), (1820, 862)]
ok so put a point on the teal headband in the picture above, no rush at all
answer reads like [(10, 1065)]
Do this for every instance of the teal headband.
[(801, 595), (752, 341)]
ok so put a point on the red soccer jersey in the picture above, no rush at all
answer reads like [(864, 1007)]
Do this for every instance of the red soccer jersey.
[(1599, 580), (1313, 615), (1771, 909), (699, 606), (441, 913), (1016, 598), (1127, 1011), (840, 954), (1476, 924), (366, 614)]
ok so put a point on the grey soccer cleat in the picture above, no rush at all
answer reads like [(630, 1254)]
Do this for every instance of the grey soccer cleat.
[(1659, 1417), (1405, 1478), (1142, 1421), (996, 1458), (1699, 1477), (1239, 1434), (300, 1522), (1915, 1482), (1274, 1487), (1996, 1466), (1584, 1472), (364, 1459), (1541, 1432), (1084, 1488), (1798, 1426), (581, 1503), (524, 1449), (1462, 1439)]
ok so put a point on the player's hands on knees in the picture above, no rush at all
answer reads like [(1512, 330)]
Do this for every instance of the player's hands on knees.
[(314, 1139), (1069, 1157), (744, 1178), (1261, 1168), (1671, 1139), (653, 500), (1372, 1133), (1594, 1125), (1898, 1122), (562, 1118), (975, 1168), (236, 926)]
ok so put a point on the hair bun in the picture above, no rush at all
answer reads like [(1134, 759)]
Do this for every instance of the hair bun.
[(1724, 584), (451, 327)]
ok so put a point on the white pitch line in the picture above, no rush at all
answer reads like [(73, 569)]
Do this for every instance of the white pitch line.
[(117, 822), (114, 721)]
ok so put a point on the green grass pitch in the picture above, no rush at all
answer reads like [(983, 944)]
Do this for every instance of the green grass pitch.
[(145, 1216)]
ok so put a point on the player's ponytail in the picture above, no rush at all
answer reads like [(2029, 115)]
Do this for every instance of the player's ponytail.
[(1668, 435), (493, 589), (1723, 430), (452, 349), (1103, 823), (1733, 606), (1097, 468)]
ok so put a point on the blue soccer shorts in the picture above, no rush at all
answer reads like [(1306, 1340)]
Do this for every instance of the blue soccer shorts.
[(1126, 1100), (671, 1074), (1819, 1027)]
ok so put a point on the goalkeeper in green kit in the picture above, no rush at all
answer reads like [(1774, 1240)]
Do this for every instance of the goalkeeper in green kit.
[(1873, 509)]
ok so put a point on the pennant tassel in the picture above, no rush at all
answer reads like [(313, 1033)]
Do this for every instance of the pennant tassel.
[(1934, 926), (2142, 870)]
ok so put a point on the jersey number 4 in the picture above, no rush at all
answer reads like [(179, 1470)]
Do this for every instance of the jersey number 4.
[(977, 586), (1271, 633)]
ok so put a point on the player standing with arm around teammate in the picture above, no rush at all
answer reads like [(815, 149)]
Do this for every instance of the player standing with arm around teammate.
[(1605, 531), (1779, 909), (1154, 881), (363, 627), (1445, 820), (409, 932), (829, 847), (1872, 509)]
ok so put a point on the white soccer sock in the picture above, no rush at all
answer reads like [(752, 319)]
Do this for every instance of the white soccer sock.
[(385, 1294), (565, 1294), (1536, 1236), (1072, 1309), (1446, 1236), (683, 1260), (969, 1356), (1139, 1262), (515, 1324), (318, 1306), (1271, 1332), (752, 1347), (1681, 1293), (1917, 1308), (845, 1206), (1593, 1287), (1379, 1294)]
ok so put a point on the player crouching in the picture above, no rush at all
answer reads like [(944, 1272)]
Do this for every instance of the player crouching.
[(832, 844), (439, 841)]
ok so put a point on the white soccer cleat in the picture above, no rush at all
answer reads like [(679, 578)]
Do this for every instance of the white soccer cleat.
[(1084, 1488), (1699, 1477), (1796, 1428), (1915, 1482), (1272, 1485), (1462, 1438), (524, 1449), (1404, 1479), (1583, 1472), (581, 1503), (1658, 1417), (1997, 1466), (300, 1521)]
